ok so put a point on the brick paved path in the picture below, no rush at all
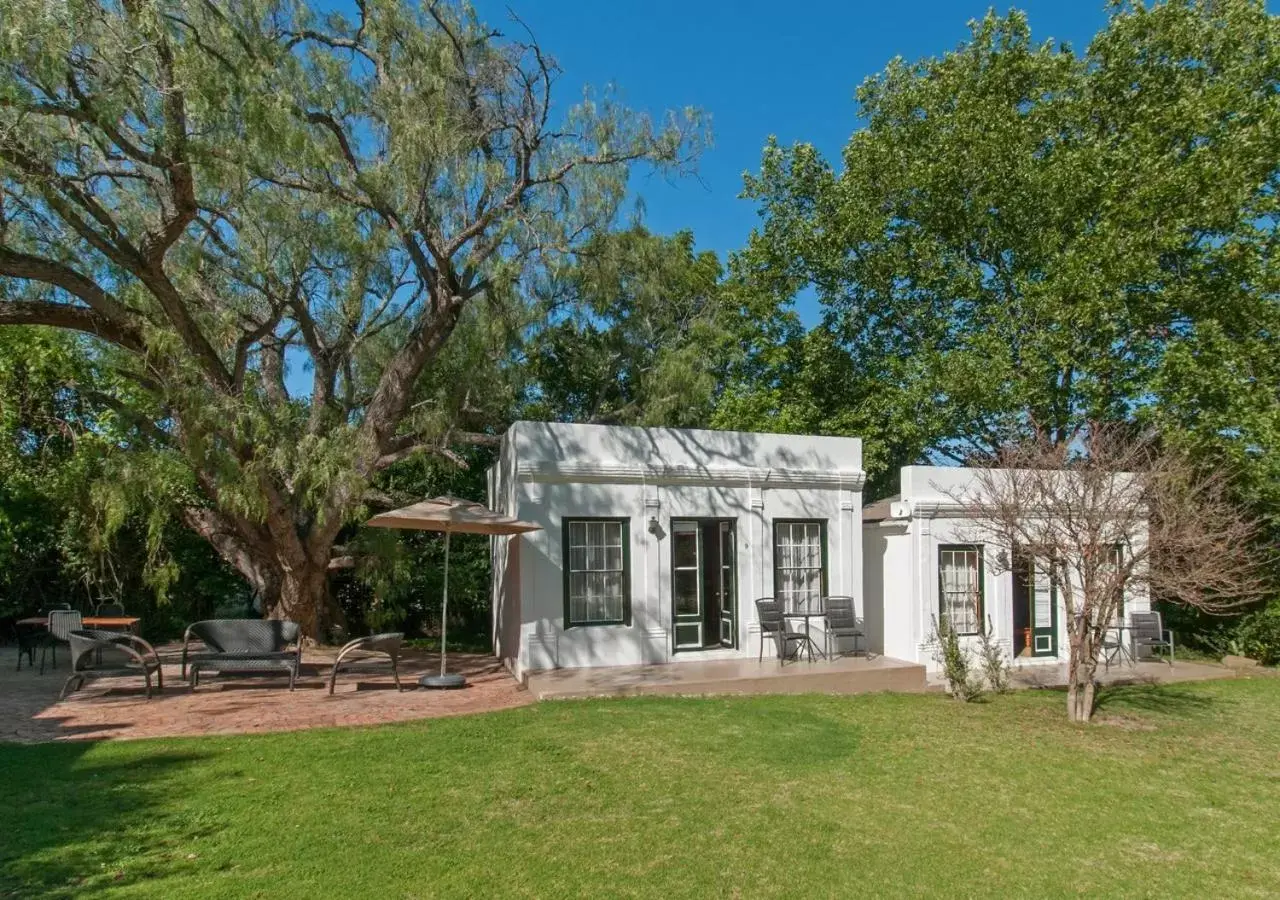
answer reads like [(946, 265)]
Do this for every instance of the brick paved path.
[(118, 709)]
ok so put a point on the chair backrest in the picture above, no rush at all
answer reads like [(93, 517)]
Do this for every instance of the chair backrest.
[(388, 642), (1146, 625), (90, 644), (246, 635), (769, 612), (109, 609), (840, 612), (64, 621)]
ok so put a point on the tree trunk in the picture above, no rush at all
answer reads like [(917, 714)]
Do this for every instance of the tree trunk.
[(1081, 688), (301, 594), (293, 585)]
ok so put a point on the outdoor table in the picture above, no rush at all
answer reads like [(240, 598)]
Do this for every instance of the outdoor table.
[(1124, 648), (106, 623), (808, 616)]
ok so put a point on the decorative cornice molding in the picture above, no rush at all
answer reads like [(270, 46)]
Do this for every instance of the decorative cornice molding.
[(948, 509), (724, 476), (936, 509)]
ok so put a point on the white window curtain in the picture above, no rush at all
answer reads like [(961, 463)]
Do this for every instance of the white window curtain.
[(597, 572), (797, 565), (960, 578)]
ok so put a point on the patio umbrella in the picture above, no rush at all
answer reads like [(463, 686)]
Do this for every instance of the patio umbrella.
[(449, 514)]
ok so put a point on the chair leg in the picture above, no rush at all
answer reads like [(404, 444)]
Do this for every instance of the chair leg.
[(44, 650), (66, 684), (147, 675), (333, 678), (395, 673), (160, 679)]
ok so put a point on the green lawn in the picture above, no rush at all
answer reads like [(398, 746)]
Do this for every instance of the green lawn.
[(1179, 794)]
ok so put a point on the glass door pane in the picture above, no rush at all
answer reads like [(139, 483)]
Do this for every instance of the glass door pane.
[(728, 631), (686, 584)]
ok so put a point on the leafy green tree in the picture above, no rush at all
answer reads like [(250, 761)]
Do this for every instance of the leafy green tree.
[(217, 195), (1023, 239), (84, 515), (639, 330)]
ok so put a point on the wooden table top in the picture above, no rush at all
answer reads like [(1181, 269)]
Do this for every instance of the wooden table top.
[(89, 621)]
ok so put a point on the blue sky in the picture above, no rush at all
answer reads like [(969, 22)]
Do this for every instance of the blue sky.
[(758, 69)]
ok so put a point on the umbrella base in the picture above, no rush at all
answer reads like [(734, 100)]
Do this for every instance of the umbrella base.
[(443, 682)]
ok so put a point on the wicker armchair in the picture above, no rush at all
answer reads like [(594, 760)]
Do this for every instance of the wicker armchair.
[(111, 654), (365, 651), (61, 623)]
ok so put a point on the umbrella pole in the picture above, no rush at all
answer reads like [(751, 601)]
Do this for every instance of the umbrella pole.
[(444, 607)]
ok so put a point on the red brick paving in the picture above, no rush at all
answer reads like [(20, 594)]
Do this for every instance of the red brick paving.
[(117, 709)]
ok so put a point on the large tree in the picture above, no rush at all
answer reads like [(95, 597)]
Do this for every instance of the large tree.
[(639, 329), (1027, 237), (222, 197)]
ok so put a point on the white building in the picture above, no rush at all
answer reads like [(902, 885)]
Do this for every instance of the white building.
[(923, 558), (657, 541)]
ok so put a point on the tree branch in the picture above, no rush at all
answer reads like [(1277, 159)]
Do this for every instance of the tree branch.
[(72, 318)]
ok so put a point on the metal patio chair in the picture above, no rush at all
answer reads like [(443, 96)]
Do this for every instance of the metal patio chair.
[(841, 621), (111, 654), (109, 609), (362, 652), (774, 623), (1148, 632)]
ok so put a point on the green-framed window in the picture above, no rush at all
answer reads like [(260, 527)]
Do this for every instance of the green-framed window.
[(597, 572), (800, 563), (960, 587)]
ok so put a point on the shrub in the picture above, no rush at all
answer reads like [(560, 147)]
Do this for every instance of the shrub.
[(1257, 636), (957, 669), (995, 665)]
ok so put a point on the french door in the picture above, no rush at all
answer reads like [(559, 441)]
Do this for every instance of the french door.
[(1044, 612), (704, 607)]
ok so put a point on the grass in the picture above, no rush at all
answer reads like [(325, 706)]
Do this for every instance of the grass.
[(1174, 794)]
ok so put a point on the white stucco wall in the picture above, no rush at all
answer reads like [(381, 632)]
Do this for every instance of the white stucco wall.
[(562, 471)]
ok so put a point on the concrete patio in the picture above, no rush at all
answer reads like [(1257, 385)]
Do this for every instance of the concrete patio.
[(118, 708), (844, 675)]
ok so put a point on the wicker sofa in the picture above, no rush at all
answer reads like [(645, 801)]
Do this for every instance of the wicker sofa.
[(242, 647)]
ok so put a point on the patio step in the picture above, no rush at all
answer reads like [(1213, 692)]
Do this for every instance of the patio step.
[(842, 676)]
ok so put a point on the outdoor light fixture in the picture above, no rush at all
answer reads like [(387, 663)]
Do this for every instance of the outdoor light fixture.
[(654, 527)]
